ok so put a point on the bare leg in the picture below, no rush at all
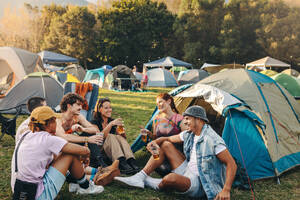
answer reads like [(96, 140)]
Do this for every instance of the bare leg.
[(169, 151), (175, 181), (66, 162)]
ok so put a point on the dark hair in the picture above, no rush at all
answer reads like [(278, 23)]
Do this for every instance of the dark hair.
[(34, 102), (166, 97), (97, 114), (70, 98), (39, 127)]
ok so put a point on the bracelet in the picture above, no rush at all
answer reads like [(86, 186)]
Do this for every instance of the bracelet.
[(86, 141)]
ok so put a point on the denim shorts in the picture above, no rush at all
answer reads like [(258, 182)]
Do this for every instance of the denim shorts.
[(53, 181), (196, 189)]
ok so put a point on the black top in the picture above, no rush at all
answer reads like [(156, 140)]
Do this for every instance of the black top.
[(99, 124)]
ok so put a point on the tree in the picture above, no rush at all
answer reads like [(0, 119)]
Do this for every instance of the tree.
[(280, 34), (198, 28), (72, 34), (134, 31), (238, 34)]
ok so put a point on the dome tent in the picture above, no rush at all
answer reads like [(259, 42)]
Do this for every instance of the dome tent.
[(15, 64), (76, 70), (95, 76), (38, 84), (161, 78), (191, 76), (120, 77)]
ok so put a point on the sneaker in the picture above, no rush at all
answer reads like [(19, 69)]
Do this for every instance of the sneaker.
[(92, 189), (152, 182), (73, 187), (135, 181)]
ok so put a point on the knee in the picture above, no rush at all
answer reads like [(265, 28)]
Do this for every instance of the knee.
[(166, 145), (168, 181)]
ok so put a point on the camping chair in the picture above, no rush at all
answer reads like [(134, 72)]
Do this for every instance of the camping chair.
[(8, 125), (90, 96)]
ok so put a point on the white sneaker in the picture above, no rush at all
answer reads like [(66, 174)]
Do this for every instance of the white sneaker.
[(92, 189), (152, 182), (135, 181), (73, 187)]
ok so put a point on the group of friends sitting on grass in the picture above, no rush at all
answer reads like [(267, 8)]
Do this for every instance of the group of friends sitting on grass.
[(52, 148)]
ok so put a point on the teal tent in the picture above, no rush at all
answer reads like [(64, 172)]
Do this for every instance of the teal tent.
[(95, 76)]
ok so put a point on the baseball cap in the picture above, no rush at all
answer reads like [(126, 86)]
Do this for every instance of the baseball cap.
[(43, 113)]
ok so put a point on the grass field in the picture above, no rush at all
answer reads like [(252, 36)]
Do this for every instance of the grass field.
[(136, 109)]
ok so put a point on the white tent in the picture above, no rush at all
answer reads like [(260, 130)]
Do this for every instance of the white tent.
[(267, 62), (167, 62)]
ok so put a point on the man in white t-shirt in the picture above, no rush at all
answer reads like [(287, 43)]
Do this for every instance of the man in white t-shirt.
[(32, 103), (200, 171)]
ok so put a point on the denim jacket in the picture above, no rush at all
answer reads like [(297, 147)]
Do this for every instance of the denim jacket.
[(211, 170)]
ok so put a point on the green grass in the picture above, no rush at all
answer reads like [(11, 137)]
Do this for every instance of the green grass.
[(136, 109)]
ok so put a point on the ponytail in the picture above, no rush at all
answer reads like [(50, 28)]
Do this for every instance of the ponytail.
[(166, 97)]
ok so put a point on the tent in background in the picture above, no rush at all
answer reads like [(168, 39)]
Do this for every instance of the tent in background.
[(159, 77), (268, 72), (55, 58), (167, 62), (76, 70), (291, 72), (191, 76), (290, 83), (107, 68), (267, 62), (95, 76), (63, 77), (38, 84), (120, 77), (138, 75), (52, 68), (216, 68), (208, 65), (15, 64)]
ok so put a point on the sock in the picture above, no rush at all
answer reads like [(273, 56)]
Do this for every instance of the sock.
[(94, 171), (92, 177), (83, 182), (153, 182), (70, 178), (142, 174)]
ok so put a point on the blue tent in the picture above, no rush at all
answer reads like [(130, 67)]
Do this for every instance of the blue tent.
[(107, 68), (52, 57), (95, 76), (167, 62)]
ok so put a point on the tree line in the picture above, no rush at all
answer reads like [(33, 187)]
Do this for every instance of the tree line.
[(133, 32)]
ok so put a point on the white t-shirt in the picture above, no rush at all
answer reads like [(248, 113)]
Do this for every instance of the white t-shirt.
[(34, 155), (21, 129), (192, 164)]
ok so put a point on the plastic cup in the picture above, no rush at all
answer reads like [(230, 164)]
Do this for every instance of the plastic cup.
[(155, 152), (120, 129), (144, 136)]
